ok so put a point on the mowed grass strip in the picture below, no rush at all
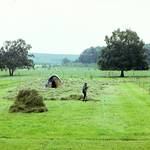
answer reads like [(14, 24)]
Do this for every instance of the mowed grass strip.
[(128, 112)]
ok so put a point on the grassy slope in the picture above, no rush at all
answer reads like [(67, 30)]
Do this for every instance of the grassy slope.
[(120, 120)]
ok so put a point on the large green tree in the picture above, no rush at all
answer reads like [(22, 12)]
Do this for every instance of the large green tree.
[(14, 54), (124, 51)]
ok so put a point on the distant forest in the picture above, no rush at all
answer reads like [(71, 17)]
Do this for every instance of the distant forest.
[(52, 59), (92, 54), (88, 56), (147, 46)]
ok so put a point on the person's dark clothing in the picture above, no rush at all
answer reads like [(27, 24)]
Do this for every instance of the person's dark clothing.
[(84, 91)]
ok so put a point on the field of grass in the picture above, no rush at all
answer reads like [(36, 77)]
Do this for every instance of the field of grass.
[(115, 117)]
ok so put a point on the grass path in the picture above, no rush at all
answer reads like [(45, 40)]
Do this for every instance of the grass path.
[(128, 112), (121, 120)]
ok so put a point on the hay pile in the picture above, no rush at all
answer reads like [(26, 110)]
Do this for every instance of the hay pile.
[(72, 97), (28, 101)]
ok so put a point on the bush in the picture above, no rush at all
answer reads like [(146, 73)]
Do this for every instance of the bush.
[(28, 101)]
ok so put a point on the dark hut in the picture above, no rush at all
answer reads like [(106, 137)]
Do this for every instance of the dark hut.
[(53, 82)]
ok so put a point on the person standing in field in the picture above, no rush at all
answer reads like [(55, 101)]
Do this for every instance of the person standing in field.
[(84, 91)]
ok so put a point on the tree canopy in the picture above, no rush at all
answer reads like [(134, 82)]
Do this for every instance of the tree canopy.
[(124, 51), (66, 61), (14, 54), (147, 46), (90, 55)]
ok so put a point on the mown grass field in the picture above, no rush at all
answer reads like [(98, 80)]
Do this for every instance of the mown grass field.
[(115, 117)]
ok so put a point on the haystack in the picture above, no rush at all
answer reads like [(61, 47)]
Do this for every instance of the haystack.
[(28, 101), (54, 82)]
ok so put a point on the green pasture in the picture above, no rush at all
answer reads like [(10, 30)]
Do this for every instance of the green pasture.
[(115, 117)]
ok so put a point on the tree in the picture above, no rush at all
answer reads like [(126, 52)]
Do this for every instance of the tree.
[(147, 46), (89, 55), (2, 66), (124, 51), (66, 61), (14, 54)]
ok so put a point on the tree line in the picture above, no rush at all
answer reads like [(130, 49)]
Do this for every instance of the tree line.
[(124, 51), (92, 54)]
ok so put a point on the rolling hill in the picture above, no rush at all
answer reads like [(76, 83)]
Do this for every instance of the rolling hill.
[(54, 59)]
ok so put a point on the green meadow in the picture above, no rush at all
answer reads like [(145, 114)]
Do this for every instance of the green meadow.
[(115, 117)]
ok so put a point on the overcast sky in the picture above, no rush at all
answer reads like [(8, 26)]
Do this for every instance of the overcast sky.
[(70, 26)]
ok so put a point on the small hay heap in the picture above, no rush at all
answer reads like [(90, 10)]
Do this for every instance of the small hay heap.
[(28, 101)]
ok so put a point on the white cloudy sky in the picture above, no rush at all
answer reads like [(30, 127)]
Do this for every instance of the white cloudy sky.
[(70, 26)]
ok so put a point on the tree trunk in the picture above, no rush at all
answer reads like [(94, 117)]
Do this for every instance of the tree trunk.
[(122, 73), (11, 71)]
